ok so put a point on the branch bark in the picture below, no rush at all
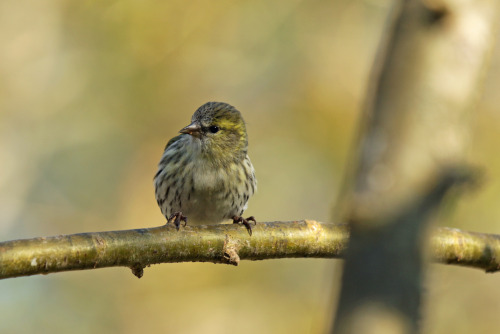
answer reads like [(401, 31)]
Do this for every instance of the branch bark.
[(140, 248), (228, 244)]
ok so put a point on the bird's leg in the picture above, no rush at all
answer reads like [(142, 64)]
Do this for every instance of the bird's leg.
[(178, 218), (245, 222)]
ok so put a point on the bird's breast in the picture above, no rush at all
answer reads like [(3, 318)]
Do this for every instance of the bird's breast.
[(209, 179)]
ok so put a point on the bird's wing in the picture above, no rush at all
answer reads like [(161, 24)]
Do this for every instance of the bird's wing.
[(171, 141)]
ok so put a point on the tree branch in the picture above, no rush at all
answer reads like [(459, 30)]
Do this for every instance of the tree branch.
[(470, 249), (229, 244), (412, 143), (139, 248)]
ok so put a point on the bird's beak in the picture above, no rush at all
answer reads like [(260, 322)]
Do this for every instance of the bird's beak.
[(192, 129)]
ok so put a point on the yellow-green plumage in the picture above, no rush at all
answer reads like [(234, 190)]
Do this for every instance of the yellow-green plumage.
[(205, 173)]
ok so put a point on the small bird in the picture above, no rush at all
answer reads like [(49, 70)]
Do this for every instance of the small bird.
[(205, 172)]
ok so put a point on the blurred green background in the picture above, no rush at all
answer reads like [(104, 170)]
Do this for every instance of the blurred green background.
[(91, 91)]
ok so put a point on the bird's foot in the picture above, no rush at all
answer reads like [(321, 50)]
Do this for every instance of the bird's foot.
[(178, 218), (245, 222)]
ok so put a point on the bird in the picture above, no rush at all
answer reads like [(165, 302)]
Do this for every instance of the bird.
[(205, 172)]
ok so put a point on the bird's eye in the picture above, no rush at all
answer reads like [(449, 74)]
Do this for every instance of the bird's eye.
[(213, 129)]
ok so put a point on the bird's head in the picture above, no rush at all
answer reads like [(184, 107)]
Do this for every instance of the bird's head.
[(220, 130)]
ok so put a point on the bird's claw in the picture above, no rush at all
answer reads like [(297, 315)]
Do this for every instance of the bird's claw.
[(245, 222), (178, 218)]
